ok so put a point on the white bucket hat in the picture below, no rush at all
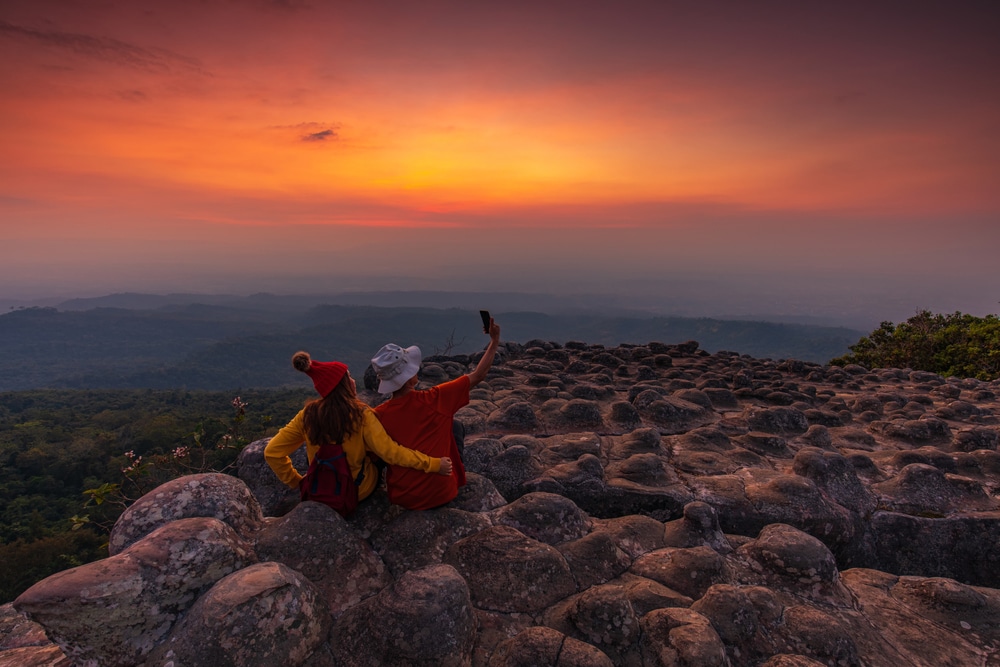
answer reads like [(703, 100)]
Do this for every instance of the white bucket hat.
[(395, 365)]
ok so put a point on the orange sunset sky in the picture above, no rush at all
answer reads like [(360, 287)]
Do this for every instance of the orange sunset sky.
[(806, 150)]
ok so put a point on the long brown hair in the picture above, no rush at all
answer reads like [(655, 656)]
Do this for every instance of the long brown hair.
[(334, 418)]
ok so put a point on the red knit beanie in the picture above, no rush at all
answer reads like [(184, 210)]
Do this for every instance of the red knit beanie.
[(325, 374)]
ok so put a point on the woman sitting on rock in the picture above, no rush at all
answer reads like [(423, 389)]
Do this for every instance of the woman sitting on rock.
[(339, 417)]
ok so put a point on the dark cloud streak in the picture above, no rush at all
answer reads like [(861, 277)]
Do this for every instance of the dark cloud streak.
[(106, 49), (323, 131), (133, 95), (320, 136)]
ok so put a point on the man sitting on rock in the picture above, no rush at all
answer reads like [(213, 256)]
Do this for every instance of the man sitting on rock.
[(424, 421)]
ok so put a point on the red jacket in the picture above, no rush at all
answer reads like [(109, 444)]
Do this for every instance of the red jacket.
[(422, 420)]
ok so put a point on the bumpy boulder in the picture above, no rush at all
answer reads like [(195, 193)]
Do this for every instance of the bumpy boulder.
[(316, 541), (545, 647), (265, 614), (924, 489), (670, 414), (969, 440), (962, 547), (733, 612), (546, 517), (515, 418), (910, 623), (510, 572), (635, 534), (214, 495), (698, 527), (689, 571), (23, 643), (509, 469), (790, 559), (114, 611), (566, 447), (780, 420), (835, 475), (479, 452), (424, 619), (914, 431), (681, 637), (580, 413), (821, 634), (478, 495), (274, 497), (594, 559), (414, 540), (604, 616)]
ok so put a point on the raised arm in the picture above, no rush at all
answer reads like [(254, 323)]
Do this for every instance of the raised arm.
[(483, 367)]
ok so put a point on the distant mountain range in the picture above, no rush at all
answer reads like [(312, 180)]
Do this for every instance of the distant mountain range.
[(229, 342)]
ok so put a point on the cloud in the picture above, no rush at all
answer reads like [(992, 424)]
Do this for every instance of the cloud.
[(107, 49), (320, 136), (18, 203), (314, 131), (133, 95)]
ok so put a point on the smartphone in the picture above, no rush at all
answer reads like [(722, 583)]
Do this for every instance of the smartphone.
[(485, 314)]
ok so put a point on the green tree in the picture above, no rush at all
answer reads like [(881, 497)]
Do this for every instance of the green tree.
[(958, 344), (60, 448), (29, 560)]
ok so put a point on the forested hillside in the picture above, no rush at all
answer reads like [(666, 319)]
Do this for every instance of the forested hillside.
[(956, 344), (217, 347), (55, 445), (161, 379)]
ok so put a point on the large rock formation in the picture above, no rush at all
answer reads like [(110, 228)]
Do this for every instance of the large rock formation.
[(638, 505)]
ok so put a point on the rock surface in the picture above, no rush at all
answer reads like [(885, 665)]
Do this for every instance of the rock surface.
[(637, 505)]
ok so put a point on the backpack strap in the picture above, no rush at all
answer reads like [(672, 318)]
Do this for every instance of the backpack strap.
[(329, 463)]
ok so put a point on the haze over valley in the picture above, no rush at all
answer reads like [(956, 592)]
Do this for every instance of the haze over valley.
[(831, 164)]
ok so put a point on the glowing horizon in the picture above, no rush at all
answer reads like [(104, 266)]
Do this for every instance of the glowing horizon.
[(152, 125)]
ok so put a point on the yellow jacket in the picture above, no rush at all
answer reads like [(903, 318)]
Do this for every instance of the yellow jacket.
[(371, 437)]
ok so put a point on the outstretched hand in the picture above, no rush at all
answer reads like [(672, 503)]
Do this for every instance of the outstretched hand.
[(445, 468), (494, 331), (485, 361)]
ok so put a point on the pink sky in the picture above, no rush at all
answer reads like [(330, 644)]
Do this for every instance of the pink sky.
[(233, 145)]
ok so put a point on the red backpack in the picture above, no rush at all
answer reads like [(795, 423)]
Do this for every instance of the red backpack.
[(328, 480)]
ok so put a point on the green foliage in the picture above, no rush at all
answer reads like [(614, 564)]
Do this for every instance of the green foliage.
[(71, 461), (140, 475), (950, 345), (27, 561)]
